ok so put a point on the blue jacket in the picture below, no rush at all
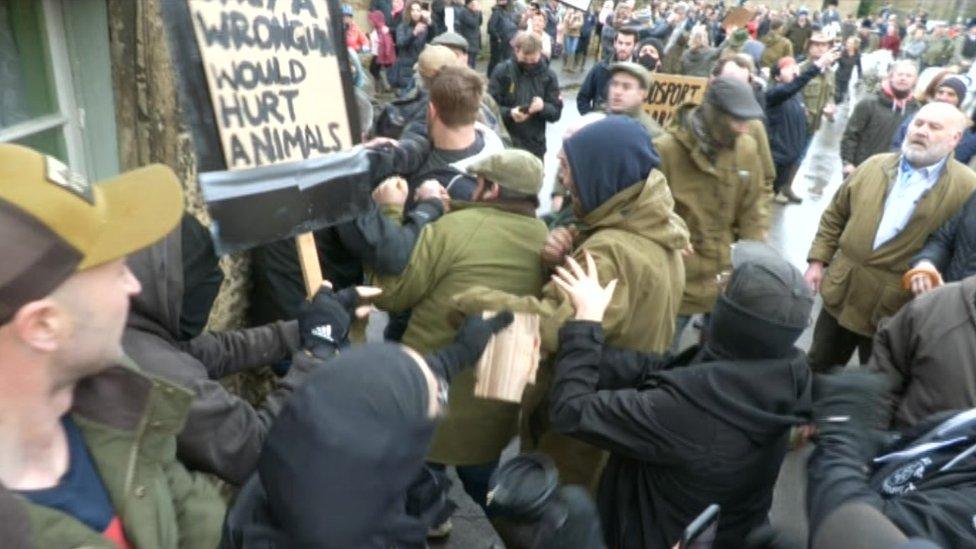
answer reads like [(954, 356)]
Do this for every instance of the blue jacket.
[(593, 93), (786, 118)]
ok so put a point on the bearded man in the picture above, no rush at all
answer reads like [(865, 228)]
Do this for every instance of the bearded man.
[(878, 220), (876, 118)]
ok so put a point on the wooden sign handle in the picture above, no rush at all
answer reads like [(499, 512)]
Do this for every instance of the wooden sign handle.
[(308, 257)]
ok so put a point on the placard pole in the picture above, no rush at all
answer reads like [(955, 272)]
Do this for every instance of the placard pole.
[(308, 257)]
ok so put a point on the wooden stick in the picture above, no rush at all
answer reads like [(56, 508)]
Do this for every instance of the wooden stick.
[(308, 257)]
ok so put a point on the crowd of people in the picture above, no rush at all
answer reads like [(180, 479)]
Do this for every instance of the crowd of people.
[(116, 431)]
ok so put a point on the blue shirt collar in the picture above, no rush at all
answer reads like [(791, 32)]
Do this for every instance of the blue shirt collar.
[(904, 167)]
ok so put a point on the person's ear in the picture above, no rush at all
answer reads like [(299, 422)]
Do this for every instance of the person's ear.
[(432, 109), (41, 325)]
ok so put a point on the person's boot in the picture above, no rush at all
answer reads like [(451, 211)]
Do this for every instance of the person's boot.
[(580, 61), (384, 84), (791, 196), (567, 64)]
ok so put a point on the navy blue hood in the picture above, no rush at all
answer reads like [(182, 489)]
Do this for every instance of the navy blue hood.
[(608, 156)]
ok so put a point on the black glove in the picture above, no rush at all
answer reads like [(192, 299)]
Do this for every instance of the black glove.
[(858, 398), (468, 345), (324, 321)]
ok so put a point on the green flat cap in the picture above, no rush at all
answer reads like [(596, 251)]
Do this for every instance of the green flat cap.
[(513, 169), (635, 70)]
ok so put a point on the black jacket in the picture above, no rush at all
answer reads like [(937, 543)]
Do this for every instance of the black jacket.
[(502, 27), (593, 91), (278, 289), (468, 24), (511, 87), (409, 46), (786, 118), (845, 68), (952, 248), (911, 489), (682, 434)]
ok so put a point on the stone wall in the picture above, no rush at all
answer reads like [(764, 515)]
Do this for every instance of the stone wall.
[(150, 126)]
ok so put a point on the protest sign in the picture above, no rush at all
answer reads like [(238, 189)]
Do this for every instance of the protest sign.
[(737, 17), (510, 360), (670, 91), (274, 79), (267, 84)]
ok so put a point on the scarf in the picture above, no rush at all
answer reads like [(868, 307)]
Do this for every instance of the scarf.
[(897, 103)]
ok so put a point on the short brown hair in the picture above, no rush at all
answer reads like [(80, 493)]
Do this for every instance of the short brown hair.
[(743, 60), (455, 92), (527, 43)]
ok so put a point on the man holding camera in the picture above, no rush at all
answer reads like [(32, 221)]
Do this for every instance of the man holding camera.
[(527, 92)]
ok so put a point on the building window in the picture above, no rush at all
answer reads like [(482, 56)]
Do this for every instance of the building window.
[(37, 95)]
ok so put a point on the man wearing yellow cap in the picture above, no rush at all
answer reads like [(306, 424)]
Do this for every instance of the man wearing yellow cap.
[(87, 441)]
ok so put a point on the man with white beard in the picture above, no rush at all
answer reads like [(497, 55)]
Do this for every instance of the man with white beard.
[(878, 220)]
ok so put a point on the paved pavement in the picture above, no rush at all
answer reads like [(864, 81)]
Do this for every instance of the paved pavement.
[(792, 230)]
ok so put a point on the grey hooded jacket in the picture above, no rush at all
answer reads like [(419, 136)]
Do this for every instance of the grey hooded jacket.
[(223, 433)]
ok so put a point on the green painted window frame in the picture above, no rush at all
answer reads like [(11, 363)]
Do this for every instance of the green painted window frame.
[(77, 46)]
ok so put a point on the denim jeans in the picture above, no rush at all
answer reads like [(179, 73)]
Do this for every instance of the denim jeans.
[(570, 43)]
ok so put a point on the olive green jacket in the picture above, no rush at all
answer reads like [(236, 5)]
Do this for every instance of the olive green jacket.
[(816, 95), (757, 131), (474, 245), (863, 285), (721, 203), (938, 51), (636, 238), (130, 421), (777, 47), (650, 125)]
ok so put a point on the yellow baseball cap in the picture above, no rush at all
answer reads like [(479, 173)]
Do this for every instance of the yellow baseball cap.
[(55, 222)]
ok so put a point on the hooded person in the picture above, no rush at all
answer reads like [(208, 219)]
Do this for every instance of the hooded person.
[(710, 425), (649, 54), (338, 463), (629, 225), (163, 335)]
